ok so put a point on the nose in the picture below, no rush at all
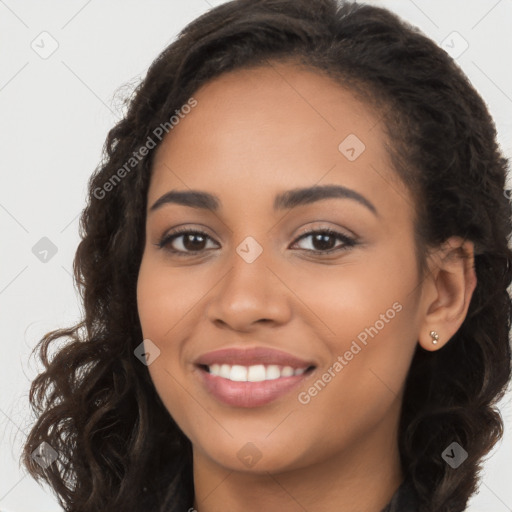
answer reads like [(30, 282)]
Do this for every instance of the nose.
[(250, 294)]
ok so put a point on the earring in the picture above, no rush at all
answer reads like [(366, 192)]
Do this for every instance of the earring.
[(435, 337)]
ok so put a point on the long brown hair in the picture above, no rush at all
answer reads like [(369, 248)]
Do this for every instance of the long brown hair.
[(118, 448)]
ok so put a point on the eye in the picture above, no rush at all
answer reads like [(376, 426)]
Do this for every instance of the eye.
[(322, 240), (193, 241)]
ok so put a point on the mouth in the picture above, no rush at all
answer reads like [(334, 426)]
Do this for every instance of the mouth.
[(254, 373), (251, 386), (251, 377)]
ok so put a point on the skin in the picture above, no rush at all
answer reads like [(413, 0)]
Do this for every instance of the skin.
[(253, 134)]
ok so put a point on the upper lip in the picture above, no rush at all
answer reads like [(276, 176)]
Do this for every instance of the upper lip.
[(252, 356)]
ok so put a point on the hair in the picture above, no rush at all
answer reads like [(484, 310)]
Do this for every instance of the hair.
[(118, 447)]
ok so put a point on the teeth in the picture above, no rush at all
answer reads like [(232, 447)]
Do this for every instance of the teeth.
[(255, 373), (225, 370), (287, 371), (273, 372), (238, 373)]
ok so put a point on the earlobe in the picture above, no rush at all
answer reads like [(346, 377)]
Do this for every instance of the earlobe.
[(450, 285), (431, 340), (435, 337)]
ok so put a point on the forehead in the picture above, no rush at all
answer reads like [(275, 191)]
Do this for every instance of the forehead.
[(273, 127)]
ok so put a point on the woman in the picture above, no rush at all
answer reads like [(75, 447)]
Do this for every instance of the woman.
[(294, 269)]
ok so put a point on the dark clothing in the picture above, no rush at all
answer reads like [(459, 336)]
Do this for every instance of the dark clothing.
[(405, 499)]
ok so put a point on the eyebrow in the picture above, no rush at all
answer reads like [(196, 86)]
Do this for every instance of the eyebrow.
[(284, 201)]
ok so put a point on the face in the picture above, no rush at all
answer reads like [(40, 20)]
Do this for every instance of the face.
[(285, 327)]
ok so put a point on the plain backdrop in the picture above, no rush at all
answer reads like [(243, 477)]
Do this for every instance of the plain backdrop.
[(55, 112)]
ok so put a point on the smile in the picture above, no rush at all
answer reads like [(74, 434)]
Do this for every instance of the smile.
[(255, 373), (251, 377), (252, 386)]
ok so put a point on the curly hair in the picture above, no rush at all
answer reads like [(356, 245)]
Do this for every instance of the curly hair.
[(118, 447)]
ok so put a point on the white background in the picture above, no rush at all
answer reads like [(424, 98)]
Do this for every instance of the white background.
[(54, 116)]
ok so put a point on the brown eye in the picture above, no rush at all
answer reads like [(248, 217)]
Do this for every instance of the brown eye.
[(323, 241), (192, 241)]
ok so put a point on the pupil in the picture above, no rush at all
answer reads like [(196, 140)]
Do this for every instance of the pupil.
[(191, 247), (324, 246)]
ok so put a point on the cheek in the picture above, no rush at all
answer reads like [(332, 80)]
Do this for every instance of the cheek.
[(164, 297), (373, 295), (162, 305), (368, 312)]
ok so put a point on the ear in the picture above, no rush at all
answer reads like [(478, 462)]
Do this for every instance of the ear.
[(448, 289)]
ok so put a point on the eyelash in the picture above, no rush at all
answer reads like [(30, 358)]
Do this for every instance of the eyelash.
[(170, 237)]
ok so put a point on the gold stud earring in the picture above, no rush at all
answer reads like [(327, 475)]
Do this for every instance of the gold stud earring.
[(435, 337)]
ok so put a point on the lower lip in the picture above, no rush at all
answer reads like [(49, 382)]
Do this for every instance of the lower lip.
[(249, 394)]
